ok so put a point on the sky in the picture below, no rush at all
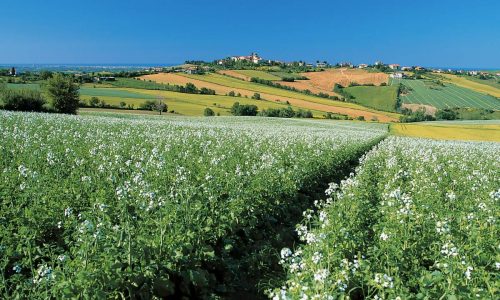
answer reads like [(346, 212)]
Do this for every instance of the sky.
[(443, 33)]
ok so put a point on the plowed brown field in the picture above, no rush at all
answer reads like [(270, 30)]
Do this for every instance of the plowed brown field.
[(324, 81)]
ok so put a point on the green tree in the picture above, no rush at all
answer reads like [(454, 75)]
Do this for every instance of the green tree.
[(44, 75), (94, 102), (63, 93), (256, 96), (208, 112)]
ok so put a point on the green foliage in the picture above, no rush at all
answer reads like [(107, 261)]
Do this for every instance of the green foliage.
[(419, 115), (400, 229), (63, 93), (244, 109), (110, 208), (287, 112), (446, 114), (208, 112), (22, 99), (256, 96)]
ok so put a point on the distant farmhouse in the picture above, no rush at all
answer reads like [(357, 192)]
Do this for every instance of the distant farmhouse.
[(322, 64), (191, 70), (346, 64), (104, 78), (394, 66), (406, 68), (397, 75), (362, 66)]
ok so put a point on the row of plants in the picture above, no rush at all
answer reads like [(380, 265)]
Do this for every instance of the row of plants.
[(101, 207), (419, 220)]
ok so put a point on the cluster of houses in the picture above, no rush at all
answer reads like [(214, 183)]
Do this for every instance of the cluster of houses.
[(253, 57), (466, 72)]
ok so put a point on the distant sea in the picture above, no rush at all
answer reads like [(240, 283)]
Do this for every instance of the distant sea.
[(82, 67), (466, 69)]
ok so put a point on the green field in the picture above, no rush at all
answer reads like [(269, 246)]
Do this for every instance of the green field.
[(258, 74), (112, 92), (183, 103), (156, 207), (378, 97), (449, 96), (29, 86)]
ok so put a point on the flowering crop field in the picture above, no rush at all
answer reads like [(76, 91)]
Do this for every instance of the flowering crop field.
[(102, 207), (418, 221)]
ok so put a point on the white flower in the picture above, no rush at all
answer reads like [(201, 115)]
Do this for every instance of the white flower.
[(317, 257), (285, 252), (384, 236), (321, 275), (468, 272), (68, 211), (17, 268), (451, 196)]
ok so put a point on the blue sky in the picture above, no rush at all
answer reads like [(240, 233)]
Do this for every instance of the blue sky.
[(430, 33)]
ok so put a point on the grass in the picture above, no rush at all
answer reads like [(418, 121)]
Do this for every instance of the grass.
[(259, 74), (378, 97), (449, 96), (30, 86), (137, 84), (451, 130), (490, 87), (112, 92)]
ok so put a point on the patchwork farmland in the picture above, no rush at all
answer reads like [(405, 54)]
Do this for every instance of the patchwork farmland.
[(224, 84), (448, 96)]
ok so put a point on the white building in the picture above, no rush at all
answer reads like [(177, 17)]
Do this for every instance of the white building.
[(394, 66), (397, 75)]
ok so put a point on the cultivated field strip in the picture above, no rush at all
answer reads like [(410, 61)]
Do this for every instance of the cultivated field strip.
[(419, 220), (449, 96), (96, 207)]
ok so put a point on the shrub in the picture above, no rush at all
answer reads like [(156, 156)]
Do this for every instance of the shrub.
[(22, 100), (256, 96), (244, 110), (208, 112), (446, 114), (94, 102), (147, 105)]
